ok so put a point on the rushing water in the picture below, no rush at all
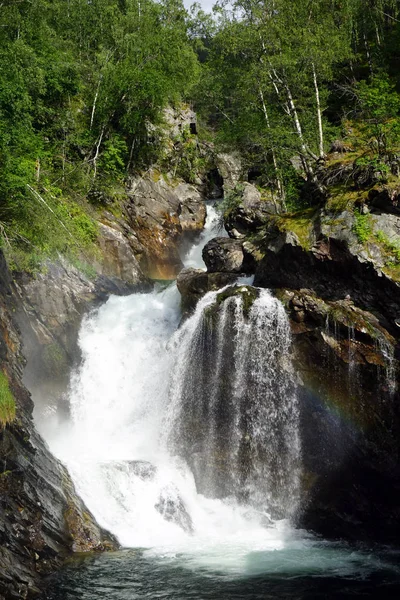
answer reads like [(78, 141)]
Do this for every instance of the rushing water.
[(184, 443)]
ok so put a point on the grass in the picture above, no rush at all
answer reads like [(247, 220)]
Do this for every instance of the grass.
[(7, 402)]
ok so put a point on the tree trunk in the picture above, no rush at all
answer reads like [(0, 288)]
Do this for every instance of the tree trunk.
[(304, 148), (96, 156), (279, 183), (319, 114), (95, 102)]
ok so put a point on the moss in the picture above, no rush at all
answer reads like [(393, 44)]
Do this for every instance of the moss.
[(7, 402), (301, 224), (55, 359), (248, 294), (155, 175), (390, 251), (392, 270), (342, 198)]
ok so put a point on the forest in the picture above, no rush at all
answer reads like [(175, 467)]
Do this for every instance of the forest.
[(83, 85)]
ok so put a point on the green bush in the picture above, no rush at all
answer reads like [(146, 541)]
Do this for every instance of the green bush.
[(362, 227), (7, 402), (232, 199)]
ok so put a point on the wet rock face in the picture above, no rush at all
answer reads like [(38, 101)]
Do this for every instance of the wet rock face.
[(41, 518), (329, 259), (172, 508), (193, 284), (159, 211), (350, 418), (224, 255)]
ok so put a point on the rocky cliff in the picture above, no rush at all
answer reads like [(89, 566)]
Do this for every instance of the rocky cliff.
[(335, 266), (41, 519)]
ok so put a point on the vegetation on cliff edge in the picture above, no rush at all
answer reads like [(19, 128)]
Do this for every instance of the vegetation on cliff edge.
[(7, 402)]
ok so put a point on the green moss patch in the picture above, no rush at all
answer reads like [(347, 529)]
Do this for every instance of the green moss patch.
[(301, 224), (248, 295), (7, 402)]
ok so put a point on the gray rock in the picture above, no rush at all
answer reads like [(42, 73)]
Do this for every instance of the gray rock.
[(42, 520), (388, 225), (193, 284), (178, 119), (118, 257), (250, 213), (230, 168), (159, 210), (141, 468), (224, 255), (172, 508)]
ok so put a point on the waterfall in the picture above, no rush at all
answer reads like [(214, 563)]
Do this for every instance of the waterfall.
[(233, 412), (185, 435)]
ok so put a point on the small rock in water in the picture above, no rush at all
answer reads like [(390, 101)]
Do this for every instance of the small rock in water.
[(172, 508), (142, 468)]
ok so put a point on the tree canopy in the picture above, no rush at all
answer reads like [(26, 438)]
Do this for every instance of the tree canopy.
[(83, 83)]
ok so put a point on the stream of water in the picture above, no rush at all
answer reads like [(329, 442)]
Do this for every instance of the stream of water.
[(184, 443)]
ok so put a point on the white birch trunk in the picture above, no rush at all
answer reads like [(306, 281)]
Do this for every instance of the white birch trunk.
[(279, 184), (319, 114)]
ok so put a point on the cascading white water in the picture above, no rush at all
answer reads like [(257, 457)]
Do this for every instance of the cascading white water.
[(233, 414), (131, 416)]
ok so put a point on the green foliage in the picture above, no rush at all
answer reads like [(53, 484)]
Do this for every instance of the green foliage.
[(362, 227), (7, 402), (232, 199), (113, 158), (280, 77), (379, 106), (46, 226), (391, 248), (79, 87), (186, 161)]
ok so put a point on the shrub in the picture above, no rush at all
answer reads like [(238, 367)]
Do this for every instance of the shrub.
[(362, 227)]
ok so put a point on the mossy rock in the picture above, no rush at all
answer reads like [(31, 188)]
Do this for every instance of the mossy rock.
[(247, 293), (301, 224), (55, 359)]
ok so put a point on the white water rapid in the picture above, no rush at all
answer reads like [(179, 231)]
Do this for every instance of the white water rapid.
[(183, 441)]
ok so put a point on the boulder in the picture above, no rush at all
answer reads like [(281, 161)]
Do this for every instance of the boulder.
[(193, 284), (230, 168), (118, 259), (249, 213), (172, 508), (224, 255)]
